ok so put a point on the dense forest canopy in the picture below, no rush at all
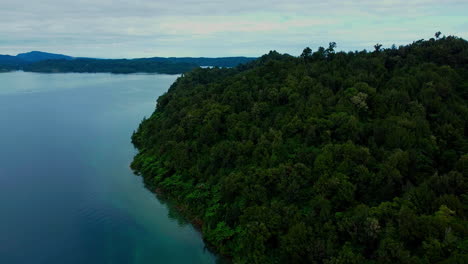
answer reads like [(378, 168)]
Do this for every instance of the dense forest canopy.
[(329, 157)]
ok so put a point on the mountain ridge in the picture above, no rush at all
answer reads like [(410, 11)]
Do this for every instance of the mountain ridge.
[(35, 56), (38, 61)]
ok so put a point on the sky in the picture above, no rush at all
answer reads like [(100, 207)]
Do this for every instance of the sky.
[(211, 28)]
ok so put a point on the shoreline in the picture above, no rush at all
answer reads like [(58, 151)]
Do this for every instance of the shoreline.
[(180, 209)]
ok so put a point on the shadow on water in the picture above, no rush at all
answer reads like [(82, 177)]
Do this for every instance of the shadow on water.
[(174, 213), (66, 192)]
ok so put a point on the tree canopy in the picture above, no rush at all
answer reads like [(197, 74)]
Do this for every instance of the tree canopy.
[(329, 157)]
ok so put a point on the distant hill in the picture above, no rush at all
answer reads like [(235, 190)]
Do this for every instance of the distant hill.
[(37, 61), (112, 66), (215, 62), (8, 62), (35, 56)]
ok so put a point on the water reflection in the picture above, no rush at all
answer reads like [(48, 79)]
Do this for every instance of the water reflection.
[(66, 192)]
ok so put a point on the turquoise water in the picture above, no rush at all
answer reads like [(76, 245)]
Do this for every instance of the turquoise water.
[(67, 194)]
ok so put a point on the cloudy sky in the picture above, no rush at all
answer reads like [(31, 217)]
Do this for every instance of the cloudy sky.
[(146, 28)]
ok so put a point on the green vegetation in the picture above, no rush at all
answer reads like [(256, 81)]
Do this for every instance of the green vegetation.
[(150, 65), (43, 62), (329, 157), (112, 66), (215, 62)]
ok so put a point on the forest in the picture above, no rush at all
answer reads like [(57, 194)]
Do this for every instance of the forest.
[(216, 62), (57, 63), (326, 157), (84, 65)]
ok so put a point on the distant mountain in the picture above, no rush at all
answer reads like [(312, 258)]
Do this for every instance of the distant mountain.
[(37, 61), (110, 65), (35, 56), (7, 60), (215, 62)]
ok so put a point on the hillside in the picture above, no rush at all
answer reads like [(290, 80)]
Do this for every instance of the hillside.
[(329, 157), (35, 56), (18, 61)]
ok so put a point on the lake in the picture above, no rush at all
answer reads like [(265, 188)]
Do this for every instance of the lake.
[(67, 194)]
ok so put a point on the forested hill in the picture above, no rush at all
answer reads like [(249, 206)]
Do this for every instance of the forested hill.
[(37, 61), (148, 65), (329, 157), (8, 63), (214, 62), (110, 65), (35, 56)]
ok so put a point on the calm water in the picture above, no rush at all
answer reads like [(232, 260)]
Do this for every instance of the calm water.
[(67, 194)]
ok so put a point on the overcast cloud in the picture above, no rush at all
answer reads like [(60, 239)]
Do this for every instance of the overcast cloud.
[(146, 28)]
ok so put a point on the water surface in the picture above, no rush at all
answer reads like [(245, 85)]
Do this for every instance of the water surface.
[(67, 194)]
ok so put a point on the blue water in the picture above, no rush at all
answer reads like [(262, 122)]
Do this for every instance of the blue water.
[(67, 194)]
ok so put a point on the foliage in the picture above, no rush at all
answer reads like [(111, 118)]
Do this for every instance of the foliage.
[(329, 157)]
